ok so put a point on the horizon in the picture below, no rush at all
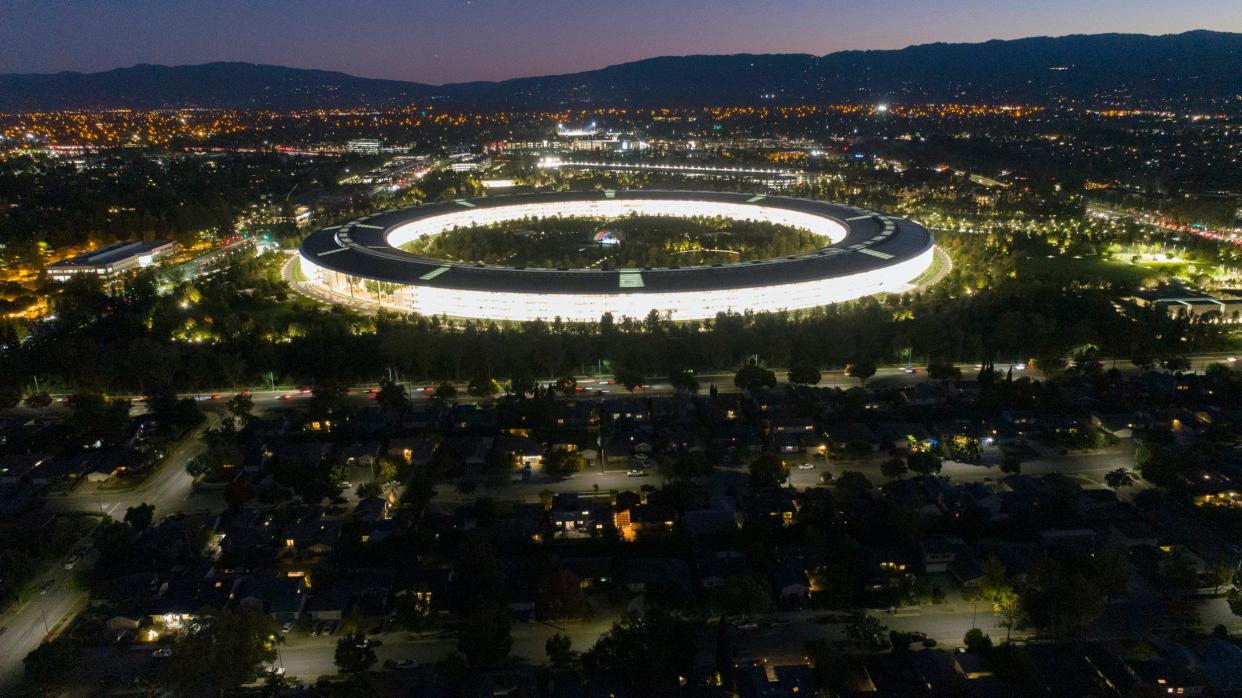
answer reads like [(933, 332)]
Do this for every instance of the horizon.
[(609, 65), (440, 42)]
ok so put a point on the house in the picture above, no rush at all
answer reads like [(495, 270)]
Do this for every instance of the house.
[(365, 454), (767, 681), (938, 554), (416, 451), (282, 597), (520, 451)]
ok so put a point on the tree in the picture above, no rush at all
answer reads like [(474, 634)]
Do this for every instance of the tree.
[(767, 471), (684, 380), (558, 649), (241, 406), (562, 462), (140, 517), (1011, 462), (867, 630), (482, 386), (224, 655), (977, 641), (852, 482), (628, 376), (353, 654), (47, 665), (691, 465), (893, 468), (1176, 364), (744, 595), (1119, 478), (95, 418), (862, 369), (413, 611), (1007, 604), (485, 634), (753, 376), (445, 391), (521, 384), (567, 386), (391, 396), (651, 652), (942, 371), (923, 462), (1234, 599), (803, 374)]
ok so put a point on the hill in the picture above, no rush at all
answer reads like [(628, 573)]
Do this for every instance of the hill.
[(1193, 67)]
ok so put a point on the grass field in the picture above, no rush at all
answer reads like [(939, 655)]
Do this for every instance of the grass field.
[(1065, 268)]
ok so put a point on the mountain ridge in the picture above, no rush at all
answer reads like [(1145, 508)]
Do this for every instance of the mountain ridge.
[(1194, 66)]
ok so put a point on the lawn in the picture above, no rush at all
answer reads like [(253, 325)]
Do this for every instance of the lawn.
[(1068, 268)]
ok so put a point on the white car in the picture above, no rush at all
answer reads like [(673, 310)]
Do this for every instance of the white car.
[(636, 473), (806, 466), (72, 560), (162, 653)]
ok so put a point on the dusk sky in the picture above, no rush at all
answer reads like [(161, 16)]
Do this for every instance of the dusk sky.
[(448, 41)]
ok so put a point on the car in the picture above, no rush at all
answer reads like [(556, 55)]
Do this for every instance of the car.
[(286, 396), (825, 477), (330, 628), (916, 635), (274, 670), (72, 560), (286, 627), (636, 473), (47, 586), (806, 466), (407, 664), (162, 653)]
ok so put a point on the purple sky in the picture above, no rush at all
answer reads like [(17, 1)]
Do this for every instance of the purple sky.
[(447, 41)]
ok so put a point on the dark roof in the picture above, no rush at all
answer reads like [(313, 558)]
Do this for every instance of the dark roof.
[(111, 254), (360, 248)]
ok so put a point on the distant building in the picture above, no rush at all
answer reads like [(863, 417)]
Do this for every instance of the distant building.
[(370, 146), (1223, 308), (110, 262)]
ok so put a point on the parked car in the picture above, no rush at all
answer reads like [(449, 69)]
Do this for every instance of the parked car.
[(72, 560), (162, 653), (636, 473), (286, 627), (407, 664), (806, 466)]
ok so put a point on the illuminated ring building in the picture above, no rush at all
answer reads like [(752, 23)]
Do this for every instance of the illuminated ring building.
[(869, 253)]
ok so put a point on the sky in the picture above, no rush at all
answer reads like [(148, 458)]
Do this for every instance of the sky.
[(438, 41)]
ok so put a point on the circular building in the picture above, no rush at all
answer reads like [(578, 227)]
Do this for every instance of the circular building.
[(869, 253)]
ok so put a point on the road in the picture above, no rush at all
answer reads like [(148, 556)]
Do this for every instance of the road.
[(309, 657)]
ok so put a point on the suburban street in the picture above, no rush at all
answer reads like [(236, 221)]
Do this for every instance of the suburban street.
[(171, 490)]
